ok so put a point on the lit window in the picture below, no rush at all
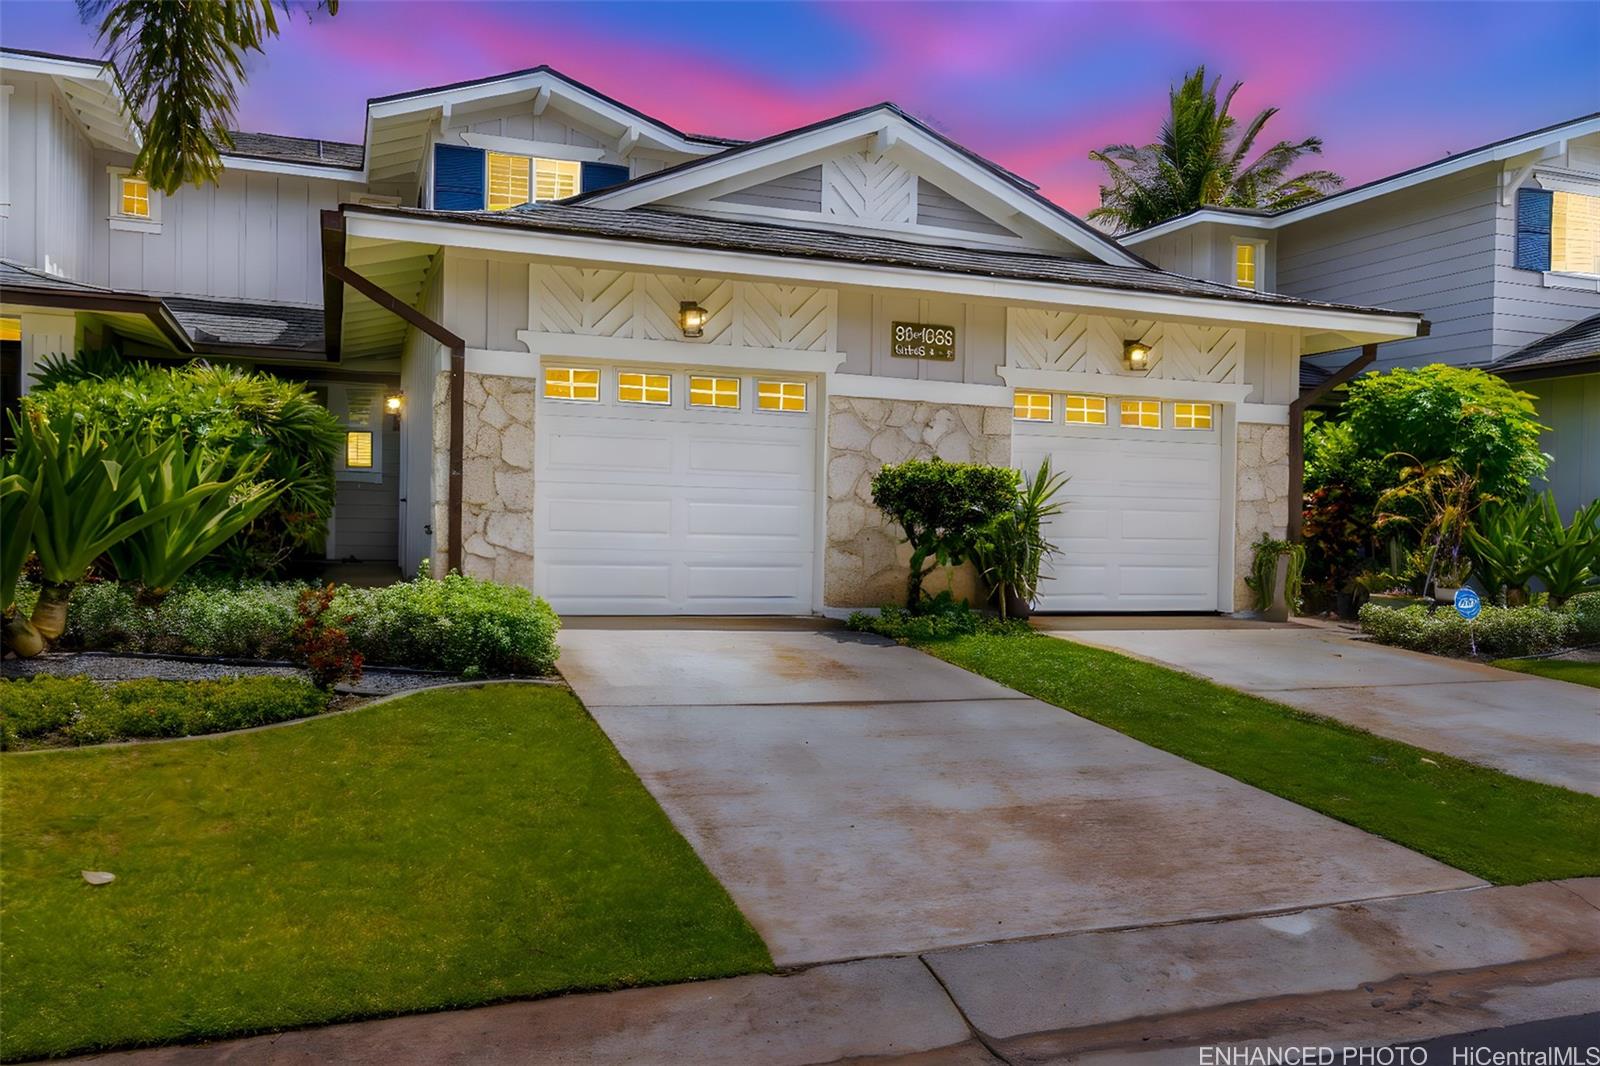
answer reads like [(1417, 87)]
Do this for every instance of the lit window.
[(135, 197), (358, 449), (1086, 410), (713, 392), (10, 329), (1031, 406), (781, 395), (1575, 233), (1191, 416), (555, 179), (571, 383), (1244, 265), (508, 180), (633, 387), (1141, 414)]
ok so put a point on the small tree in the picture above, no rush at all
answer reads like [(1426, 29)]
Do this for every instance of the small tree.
[(941, 507)]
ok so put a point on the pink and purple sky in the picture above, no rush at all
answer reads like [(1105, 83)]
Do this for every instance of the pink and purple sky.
[(1033, 86)]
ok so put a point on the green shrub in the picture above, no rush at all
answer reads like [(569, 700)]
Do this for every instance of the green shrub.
[(79, 711), (1497, 632), (454, 624), (940, 618), (1584, 611), (941, 508), (246, 621)]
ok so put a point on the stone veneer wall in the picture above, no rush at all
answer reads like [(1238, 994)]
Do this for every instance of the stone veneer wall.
[(1262, 491), (497, 476), (864, 563)]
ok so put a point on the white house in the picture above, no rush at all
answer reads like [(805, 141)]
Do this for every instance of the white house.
[(645, 371)]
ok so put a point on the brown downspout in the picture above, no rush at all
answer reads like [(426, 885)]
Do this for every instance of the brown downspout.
[(333, 267)]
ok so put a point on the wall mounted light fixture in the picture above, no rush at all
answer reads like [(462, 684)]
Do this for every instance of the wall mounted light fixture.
[(692, 318), (394, 403), (1136, 355)]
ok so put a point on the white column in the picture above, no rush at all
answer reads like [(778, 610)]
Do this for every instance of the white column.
[(46, 333)]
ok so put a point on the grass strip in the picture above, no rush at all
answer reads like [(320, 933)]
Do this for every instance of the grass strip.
[(1579, 673)]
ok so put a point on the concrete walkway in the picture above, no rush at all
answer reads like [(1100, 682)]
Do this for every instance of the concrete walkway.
[(1356, 974), (1532, 727), (862, 799)]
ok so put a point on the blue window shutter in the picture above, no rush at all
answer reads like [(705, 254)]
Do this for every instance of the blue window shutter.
[(1534, 209), (458, 178), (602, 176)]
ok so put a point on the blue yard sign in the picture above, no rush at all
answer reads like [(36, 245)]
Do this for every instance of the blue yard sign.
[(1468, 604)]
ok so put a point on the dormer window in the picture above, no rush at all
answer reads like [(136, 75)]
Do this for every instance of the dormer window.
[(520, 179), (133, 204), (1246, 264)]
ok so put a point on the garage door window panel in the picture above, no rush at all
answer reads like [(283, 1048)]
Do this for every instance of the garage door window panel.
[(1141, 414), (1085, 410), (714, 392), (784, 396), (1033, 406), (1191, 416), (572, 383), (637, 387)]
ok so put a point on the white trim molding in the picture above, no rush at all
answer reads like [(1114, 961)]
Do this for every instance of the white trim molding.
[(678, 353), (916, 390), (1268, 414), (496, 361), (571, 153), (1123, 385)]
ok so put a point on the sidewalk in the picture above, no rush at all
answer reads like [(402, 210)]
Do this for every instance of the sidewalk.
[(1389, 971)]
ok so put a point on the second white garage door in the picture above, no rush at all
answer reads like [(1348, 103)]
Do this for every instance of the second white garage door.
[(1141, 526), (668, 508)]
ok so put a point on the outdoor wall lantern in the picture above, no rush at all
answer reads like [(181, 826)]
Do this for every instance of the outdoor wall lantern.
[(393, 404), (1136, 355), (692, 318)]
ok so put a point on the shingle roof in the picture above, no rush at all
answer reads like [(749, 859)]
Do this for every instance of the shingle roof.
[(303, 150), (665, 227), (232, 322), (14, 275), (1574, 344)]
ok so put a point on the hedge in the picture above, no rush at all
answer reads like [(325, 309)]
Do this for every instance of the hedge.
[(76, 710), (1497, 632)]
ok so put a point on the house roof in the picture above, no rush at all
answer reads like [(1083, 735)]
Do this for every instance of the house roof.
[(1566, 348), (1495, 151), (191, 325), (307, 151), (696, 231)]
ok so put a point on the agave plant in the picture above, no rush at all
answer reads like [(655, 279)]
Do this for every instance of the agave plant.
[(1568, 555), (19, 512), (1011, 548), (215, 507)]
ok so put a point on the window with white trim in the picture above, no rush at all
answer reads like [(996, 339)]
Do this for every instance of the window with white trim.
[(134, 205), (572, 383), (781, 396), (1191, 415), (519, 179), (1574, 233), (1032, 406), (1246, 264), (1141, 414), (1085, 410), (358, 449), (636, 387), (713, 392)]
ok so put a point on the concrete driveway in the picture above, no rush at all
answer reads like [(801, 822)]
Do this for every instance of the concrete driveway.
[(1532, 727), (859, 798)]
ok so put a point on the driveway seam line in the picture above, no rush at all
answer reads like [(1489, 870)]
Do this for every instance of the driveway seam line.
[(977, 1034)]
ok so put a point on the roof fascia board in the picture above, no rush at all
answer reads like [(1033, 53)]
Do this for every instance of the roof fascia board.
[(681, 259), (299, 170), (1497, 153), (888, 128), (83, 70)]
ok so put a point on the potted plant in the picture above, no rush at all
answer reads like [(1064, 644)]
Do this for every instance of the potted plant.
[(1011, 547), (1275, 577)]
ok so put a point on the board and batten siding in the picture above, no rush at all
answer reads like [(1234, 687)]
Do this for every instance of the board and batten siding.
[(48, 162), (420, 363), (1430, 248), (1570, 407), (250, 236)]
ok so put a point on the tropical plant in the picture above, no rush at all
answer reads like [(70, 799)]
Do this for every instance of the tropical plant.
[(20, 493), (321, 641), (1504, 554), (940, 507), (1263, 577), (222, 499), (1011, 546), (1200, 159), (180, 63), (1568, 554), (90, 364), (1437, 500), (263, 423)]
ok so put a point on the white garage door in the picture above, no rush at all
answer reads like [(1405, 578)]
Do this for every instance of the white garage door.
[(672, 508), (1141, 525)]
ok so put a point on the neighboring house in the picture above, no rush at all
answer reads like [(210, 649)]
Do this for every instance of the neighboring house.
[(664, 385), (1499, 247)]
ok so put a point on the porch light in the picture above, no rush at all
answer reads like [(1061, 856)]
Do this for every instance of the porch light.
[(692, 318), (394, 403), (1136, 355)]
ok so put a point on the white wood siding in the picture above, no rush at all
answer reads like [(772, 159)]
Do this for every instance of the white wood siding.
[(935, 207), (801, 191), (48, 160)]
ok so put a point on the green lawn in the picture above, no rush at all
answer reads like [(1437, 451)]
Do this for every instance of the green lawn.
[(1579, 673), (450, 848), (1501, 828)]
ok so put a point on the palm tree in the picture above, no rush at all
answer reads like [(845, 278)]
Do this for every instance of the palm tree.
[(180, 63), (1200, 160)]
